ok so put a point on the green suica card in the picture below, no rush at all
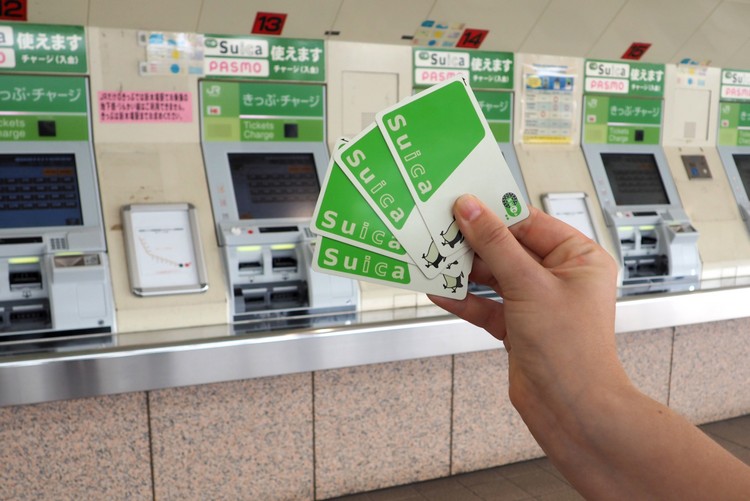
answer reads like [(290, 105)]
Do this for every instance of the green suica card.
[(338, 258), (444, 148), (368, 164)]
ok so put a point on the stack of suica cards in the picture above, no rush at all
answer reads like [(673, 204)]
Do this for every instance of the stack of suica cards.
[(385, 212)]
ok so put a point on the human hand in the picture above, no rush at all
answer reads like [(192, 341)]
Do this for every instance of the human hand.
[(557, 315), (557, 322)]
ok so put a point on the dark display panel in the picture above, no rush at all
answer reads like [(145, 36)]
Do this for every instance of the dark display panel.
[(274, 185), (743, 167), (39, 190), (635, 179)]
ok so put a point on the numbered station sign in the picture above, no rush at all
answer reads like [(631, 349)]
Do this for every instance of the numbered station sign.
[(13, 10), (268, 23), (471, 39)]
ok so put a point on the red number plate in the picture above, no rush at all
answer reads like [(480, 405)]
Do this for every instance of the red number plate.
[(268, 23), (13, 10), (471, 39), (636, 51)]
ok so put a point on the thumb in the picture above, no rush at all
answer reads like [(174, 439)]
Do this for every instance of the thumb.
[(486, 233)]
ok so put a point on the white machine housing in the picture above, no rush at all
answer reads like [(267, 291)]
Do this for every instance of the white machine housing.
[(57, 275), (268, 259), (656, 243), (707, 191)]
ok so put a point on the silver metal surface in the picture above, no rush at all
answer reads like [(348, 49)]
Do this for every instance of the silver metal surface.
[(202, 355)]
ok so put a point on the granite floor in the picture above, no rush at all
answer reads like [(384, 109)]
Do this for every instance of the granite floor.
[(533, 480)]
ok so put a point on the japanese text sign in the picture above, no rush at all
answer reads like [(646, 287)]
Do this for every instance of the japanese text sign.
[(482, 69), (622, 78), (153, 107), (40, 48), (735, 85), (43, 108), (622, 120), (239, 111), (262, 58)]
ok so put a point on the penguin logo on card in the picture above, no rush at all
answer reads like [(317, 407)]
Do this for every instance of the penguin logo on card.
[(453, 283), (511, 204), (451, 235), (448, 267), (432, 257)]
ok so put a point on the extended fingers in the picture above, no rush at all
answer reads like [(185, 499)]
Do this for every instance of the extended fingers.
[(507, 259)]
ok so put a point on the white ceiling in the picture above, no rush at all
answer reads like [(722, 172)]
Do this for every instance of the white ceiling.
[(712, 31)]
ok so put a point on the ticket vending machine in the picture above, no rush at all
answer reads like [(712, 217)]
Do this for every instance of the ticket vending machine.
[(737, 164), (265, 156), (733, 140), (547, 142), (53, 259), (691, 117), (656, 243)]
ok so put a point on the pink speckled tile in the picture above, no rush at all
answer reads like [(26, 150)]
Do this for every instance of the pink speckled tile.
[(711, 370), (382, 425), (646, 357), (487, 430), (94, 448), (238, 440)]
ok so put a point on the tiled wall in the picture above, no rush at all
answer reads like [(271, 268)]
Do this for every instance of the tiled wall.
[(330, 433)]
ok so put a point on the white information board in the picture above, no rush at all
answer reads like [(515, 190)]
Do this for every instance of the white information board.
[(573, 209), (163, 249)]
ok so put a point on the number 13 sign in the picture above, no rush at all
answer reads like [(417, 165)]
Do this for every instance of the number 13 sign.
[(267, 23)]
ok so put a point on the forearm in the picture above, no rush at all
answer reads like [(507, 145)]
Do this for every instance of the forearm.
[(624, 445)]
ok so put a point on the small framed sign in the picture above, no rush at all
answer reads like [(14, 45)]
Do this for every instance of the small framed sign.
[(163, 249)]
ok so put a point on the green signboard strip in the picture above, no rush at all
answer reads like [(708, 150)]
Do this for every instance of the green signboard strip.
[(482, 69), (621, 120), (734, 124), (264, 58), (623, 78), (43, 108), (41, 48), (240, 111), (497, 108)]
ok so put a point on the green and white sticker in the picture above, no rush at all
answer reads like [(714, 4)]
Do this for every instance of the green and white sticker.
[(338, 258), (444, 148), (367, 162)]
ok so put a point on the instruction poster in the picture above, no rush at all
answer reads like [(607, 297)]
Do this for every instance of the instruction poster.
[(549, 106)]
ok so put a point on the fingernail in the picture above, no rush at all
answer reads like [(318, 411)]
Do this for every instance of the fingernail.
[(468, 207)]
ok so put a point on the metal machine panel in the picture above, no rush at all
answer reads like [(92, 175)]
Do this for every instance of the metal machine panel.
[(263, 194), (657, 245), (52, 247)]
